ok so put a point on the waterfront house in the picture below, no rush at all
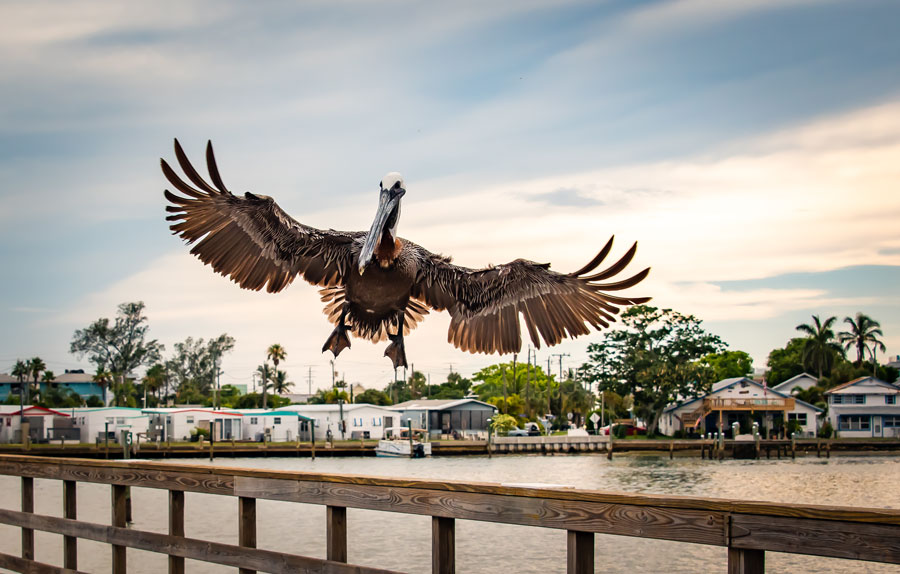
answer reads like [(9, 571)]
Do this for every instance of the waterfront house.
[(42, 421), (865, 407), (276, 426), (80, 382), (9, 385), (450, 417), (178, 424), (739, 399), (361, 420), (803, 380), (93, 423)]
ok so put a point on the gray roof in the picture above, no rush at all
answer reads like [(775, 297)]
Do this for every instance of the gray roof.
[(436, 404)]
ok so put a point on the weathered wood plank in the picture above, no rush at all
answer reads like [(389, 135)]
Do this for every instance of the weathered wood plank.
[(873, 542), (579, 552), (670, 524), (247, 526), (336, 533), (27, 506), (16, 564), (70, 510), (117, 509), (744, 561), (443, 545), (191, 548), (219, 480), (176, 527)]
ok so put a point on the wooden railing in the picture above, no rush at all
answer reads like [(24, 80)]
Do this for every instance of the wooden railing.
[(749, 404), (746, 529)]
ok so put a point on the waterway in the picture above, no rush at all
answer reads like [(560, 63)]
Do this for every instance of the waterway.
[(402, 542)]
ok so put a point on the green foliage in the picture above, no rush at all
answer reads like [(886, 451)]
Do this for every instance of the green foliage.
[(329, 396), (826, 431), (502, 424), (94, 402), (194, 362), (373, 397), (655, 358), (862, 335), (55, 397), (821, 349), (528, 382), (620, 431), (728, 364), (785, 363)]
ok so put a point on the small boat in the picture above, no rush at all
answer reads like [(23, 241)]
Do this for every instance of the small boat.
[(396, 442)]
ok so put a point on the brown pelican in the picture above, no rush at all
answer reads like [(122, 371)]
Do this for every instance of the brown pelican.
[(378, 285)]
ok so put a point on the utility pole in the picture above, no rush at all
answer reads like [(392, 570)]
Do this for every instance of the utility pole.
[(309, 384), (332, 374), (505, 398), (528, 384), (560, 355), (548, 384)]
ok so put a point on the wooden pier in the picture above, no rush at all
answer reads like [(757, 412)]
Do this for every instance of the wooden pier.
[(745, 530)]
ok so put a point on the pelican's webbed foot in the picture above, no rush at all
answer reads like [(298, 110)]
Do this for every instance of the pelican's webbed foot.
[(337, 341), (396, 351)]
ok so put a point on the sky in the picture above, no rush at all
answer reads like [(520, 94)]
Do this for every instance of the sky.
[(750, 148)]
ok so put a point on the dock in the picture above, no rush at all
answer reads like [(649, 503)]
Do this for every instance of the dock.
[(745, 530)]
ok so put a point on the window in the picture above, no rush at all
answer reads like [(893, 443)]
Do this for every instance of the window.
[(277, 420), (189, 420), (111, 420), (120, 421), (252, 420), (858, 399), (890, 399), (848, 399), (800, 417), (357, 422), (891, 421), (855, 423)]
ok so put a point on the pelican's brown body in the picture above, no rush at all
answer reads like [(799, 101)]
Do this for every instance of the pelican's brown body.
[(376, 285)]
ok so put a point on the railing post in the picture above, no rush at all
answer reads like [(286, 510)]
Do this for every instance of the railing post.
[(744, 561), (119, 492), (336, 533), (27, 506), (580, 552), (176, 527), (247, 526), (443, 545), (70, 543)]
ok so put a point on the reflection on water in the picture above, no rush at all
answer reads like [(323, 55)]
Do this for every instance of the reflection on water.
[(402, 542)]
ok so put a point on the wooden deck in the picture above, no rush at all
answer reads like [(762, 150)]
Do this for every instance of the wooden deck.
[(746, 529)]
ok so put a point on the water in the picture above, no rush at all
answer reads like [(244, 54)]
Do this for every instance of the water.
[(403, 542)]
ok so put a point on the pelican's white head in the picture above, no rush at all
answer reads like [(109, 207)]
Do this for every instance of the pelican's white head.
[(390, 190)]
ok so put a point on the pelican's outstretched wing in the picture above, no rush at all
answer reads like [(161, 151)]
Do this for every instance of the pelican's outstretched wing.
[(485, 304), (250, 239)]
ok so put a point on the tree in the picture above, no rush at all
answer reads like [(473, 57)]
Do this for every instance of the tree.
[(36, 366), (195, 364), (497, 381), (655, 357), (120, 346), (785, 363), (280, 384), (21, 371), (728, 364), (863, 331), (820, 350), (502, 424), (373, 397), (276, 354), (156, 379), (102, 377), (265, 374)]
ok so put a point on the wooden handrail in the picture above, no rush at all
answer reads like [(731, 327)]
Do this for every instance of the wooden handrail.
[(747, 528)]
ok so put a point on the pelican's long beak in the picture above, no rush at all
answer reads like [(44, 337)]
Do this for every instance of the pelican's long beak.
[(388, 201)]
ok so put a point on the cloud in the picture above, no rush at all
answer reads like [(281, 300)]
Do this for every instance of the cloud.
[(565, 197)]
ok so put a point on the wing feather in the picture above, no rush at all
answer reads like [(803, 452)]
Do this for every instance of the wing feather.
[(487, 306), (250, 239)]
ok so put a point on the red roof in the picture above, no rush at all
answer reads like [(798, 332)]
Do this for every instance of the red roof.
[(39, 411)]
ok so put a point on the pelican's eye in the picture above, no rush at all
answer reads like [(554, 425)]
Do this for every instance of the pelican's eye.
[(396, 185)]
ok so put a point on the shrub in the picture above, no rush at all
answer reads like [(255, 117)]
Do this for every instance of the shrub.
[(620, 431), (826, 431)]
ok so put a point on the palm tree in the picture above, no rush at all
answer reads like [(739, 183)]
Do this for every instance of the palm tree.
[(863, 330), (266, 374), (155, 379), (820, 348), (280, 384), (36, 366), (20, 372), (102, 377), (276, 354), (47, 379)]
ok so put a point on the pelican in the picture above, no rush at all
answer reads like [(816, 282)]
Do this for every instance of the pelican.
[(377, 285)]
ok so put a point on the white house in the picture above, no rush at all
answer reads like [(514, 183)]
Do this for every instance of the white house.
[(92, 423), (445, 417), (865, 407), (278, 426), (177, 424), (361, 420), (803, 380), (40, 419), (733, 400)]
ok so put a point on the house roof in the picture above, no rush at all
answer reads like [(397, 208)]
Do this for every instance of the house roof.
[(873, 380), (38, 411), (75, 378), (726, 383), (794, 378), (262, 413), (435, 404), (327, 407), (7, 378)]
